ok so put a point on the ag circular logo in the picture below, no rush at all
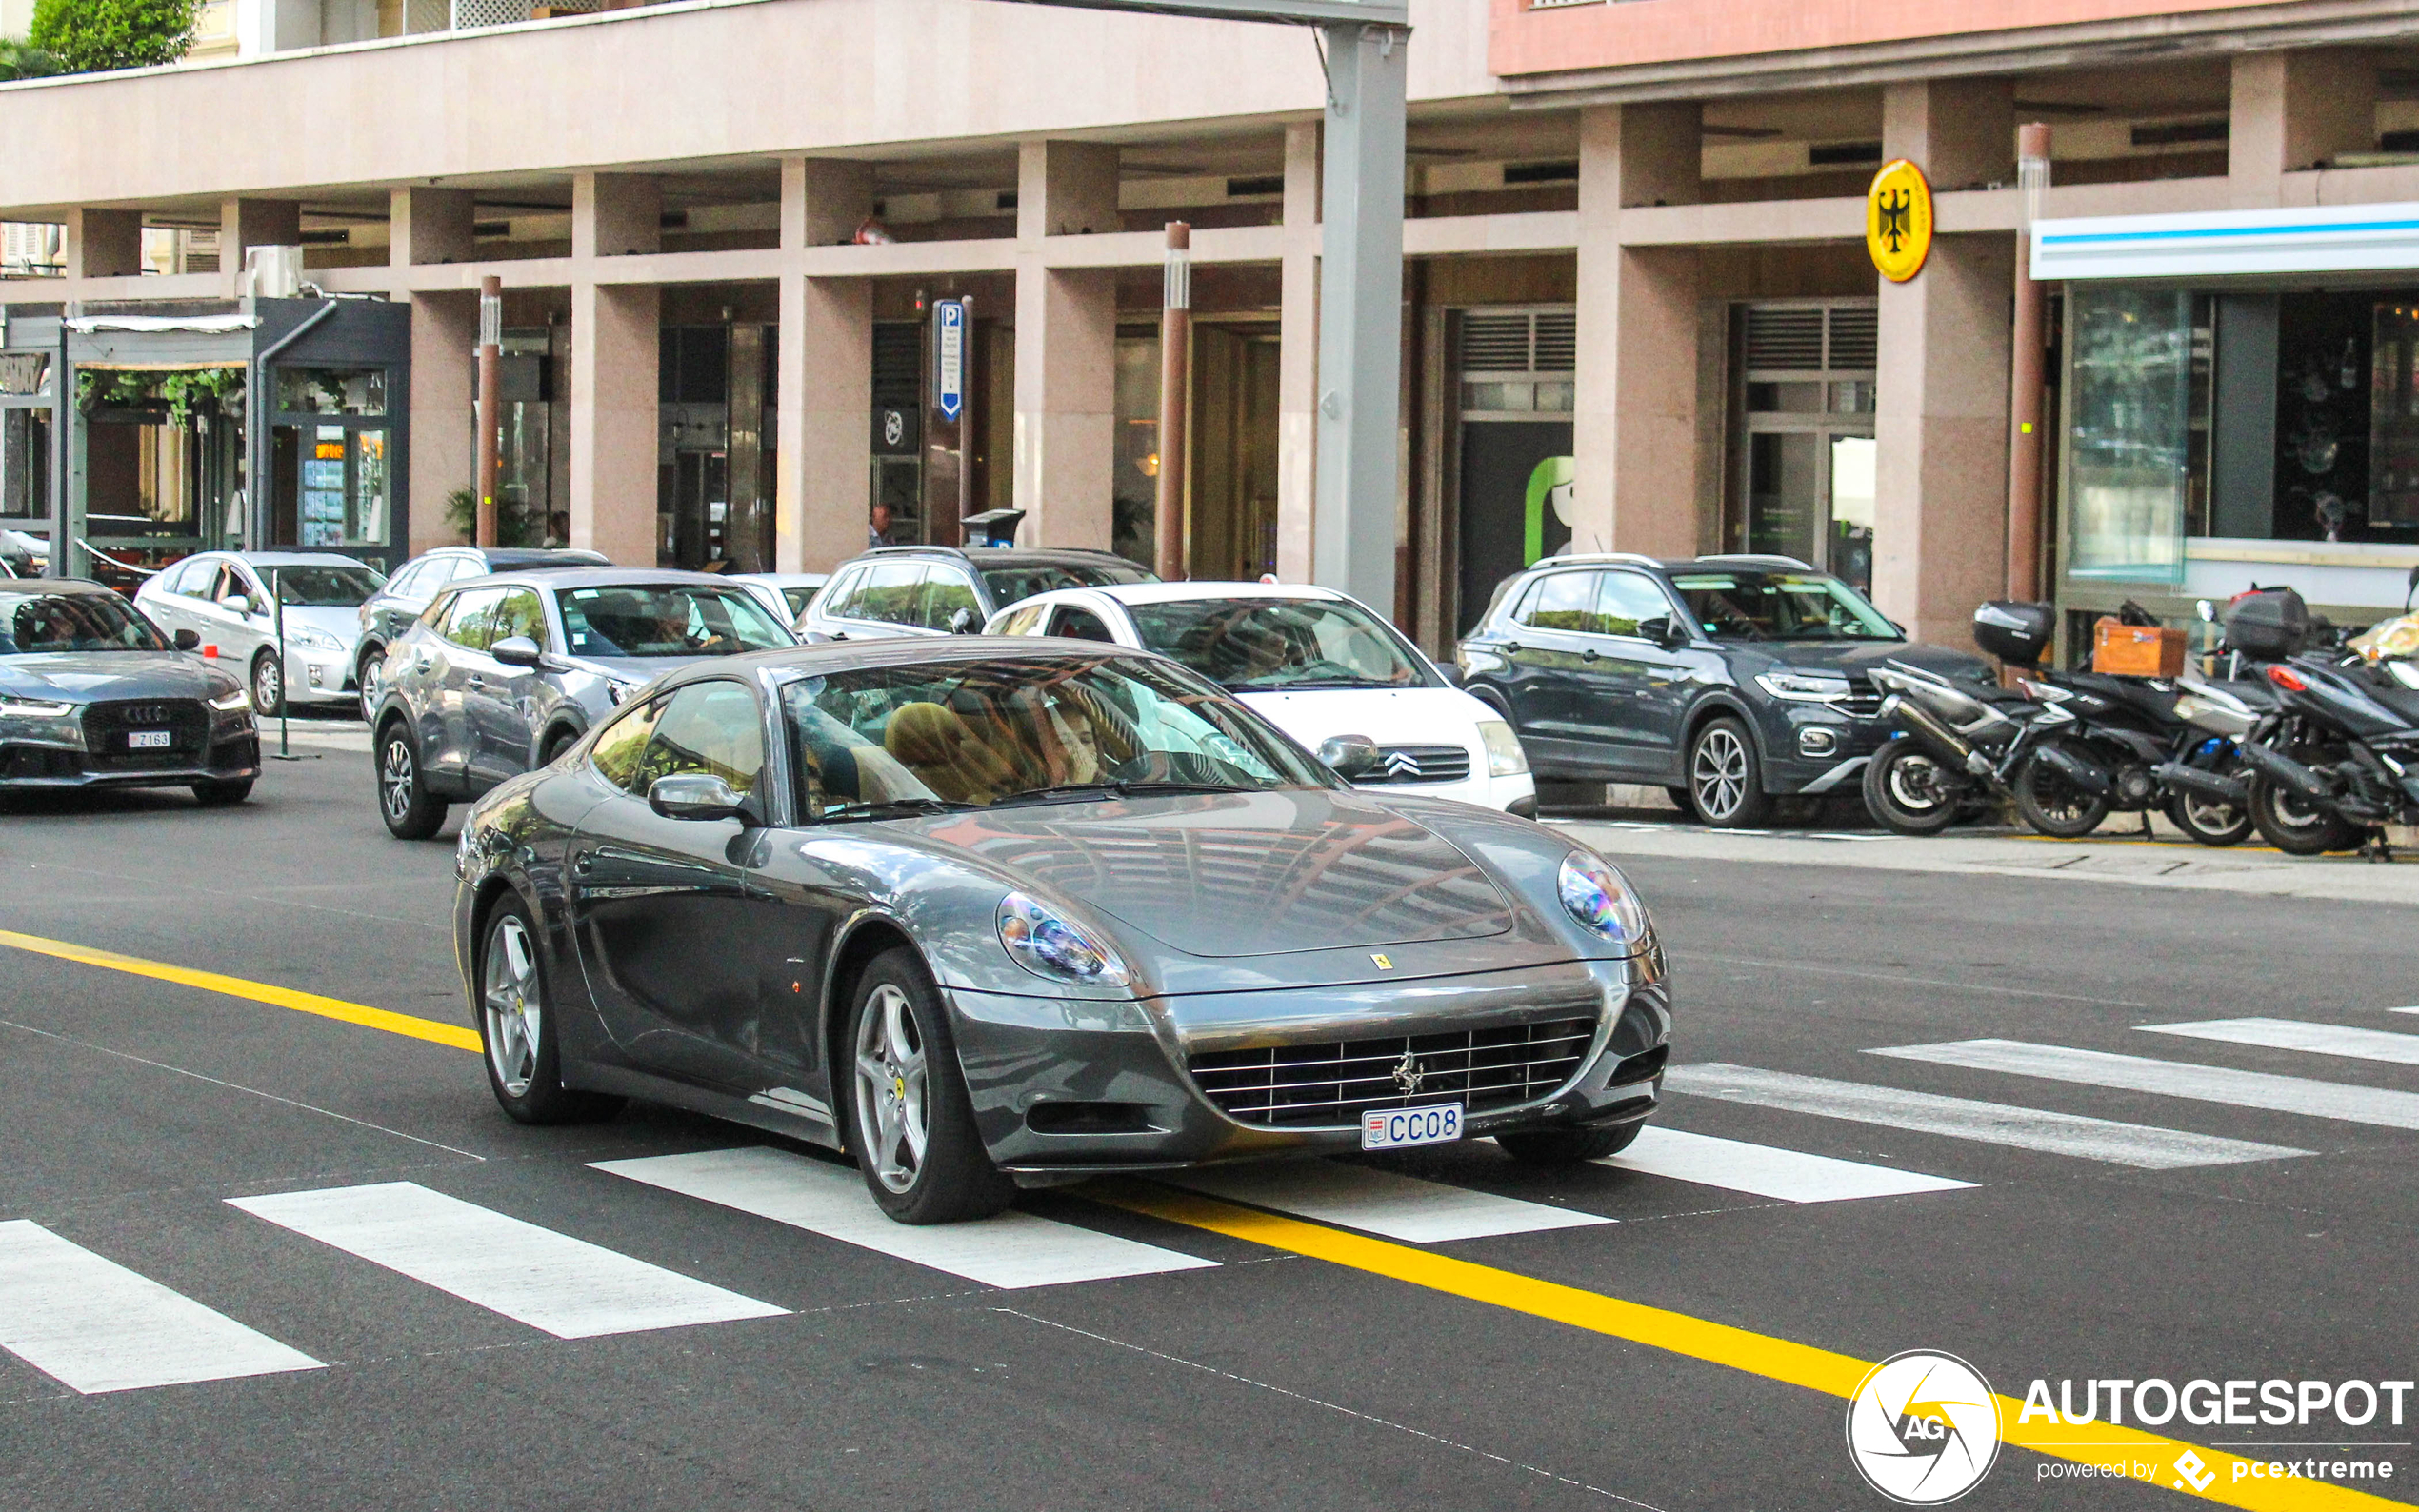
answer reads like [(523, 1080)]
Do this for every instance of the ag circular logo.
[(1923, 1428)]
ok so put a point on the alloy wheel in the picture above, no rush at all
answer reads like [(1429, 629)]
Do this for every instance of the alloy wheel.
[(373, 685), (397, 778), (894, 1113), (1717, 775), (2215, 815), (1915, 784), (511, 1000), (268, 686)]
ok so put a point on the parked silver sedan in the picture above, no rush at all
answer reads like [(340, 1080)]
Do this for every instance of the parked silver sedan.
[(502, 673), (223, 597)]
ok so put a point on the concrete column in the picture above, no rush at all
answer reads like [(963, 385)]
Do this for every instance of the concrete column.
[(431, 226), (614, 214), (615, 328), (2294, 111), (1065, 348), (823, 457), (444, 327), (1635, 411), (1961, 132), (1298, 356), (104, 244)]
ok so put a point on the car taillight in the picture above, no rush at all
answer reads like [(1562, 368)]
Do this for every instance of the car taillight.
[(2286, 678)]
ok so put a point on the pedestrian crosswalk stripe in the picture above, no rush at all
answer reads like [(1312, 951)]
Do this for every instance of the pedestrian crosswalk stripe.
[(94, 1326), (564, 1286), (1764, 1170), (1013, 1249), (2300, 1034), (2026, 1128), (2208, 1084), (1378, 1202)]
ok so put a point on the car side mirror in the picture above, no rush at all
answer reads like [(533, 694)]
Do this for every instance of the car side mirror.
[(236, 603), (187, 639), (1664, 630), (516, 650), (694, 795), (964, 621), (1349, 756)]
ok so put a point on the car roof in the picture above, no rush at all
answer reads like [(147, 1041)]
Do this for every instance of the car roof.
[(1712, 562), (1181, 592), (983, 556), (520, 555), (564, 579), (290, 558), (782, 579), (896, 650), (54, 586)]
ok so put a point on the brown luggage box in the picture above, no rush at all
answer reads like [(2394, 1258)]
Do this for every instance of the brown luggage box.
[(2136, 650)]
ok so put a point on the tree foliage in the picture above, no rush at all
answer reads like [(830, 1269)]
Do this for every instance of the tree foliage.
[(23, 60), (91, 36)]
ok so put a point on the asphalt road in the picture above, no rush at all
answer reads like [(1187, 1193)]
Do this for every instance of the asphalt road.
[(1300, 1367)]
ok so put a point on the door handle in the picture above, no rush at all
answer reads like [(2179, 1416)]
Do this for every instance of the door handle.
[(585, 865), (477, 680), (1587, 655)]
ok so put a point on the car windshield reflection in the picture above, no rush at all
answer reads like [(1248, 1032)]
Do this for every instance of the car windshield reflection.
[(1261, 646), (1023, 580), (1747, 606), (668, 619), (323, 587), (876, 742), (51, 623)]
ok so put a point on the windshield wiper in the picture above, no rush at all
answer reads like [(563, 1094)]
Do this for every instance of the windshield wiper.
[(1309, 683), (1115, 788), (894, 808)]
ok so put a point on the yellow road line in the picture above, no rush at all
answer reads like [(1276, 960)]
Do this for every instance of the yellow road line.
[(429, 1029), (1717, 1344)]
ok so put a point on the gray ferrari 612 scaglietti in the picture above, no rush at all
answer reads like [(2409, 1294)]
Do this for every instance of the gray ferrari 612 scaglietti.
[(989, 912), (92, 696)]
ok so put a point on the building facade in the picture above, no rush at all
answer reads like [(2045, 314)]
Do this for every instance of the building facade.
[(1639, 310)]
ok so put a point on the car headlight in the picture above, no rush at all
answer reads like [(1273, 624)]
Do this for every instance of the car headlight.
[(233, 699), (1047, 946), (1598, 898), (34, 708), (316, 640), (1803, 688), (1503, 756)]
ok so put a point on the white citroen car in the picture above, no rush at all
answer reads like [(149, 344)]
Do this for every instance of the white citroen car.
[(1318, 665)]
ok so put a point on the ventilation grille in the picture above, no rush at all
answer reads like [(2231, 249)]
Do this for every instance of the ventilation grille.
[(1520, 341), (470, 13), (1855, 336), (1797, 338)]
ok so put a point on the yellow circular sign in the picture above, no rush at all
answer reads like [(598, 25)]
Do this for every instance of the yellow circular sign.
[(1898, 220)]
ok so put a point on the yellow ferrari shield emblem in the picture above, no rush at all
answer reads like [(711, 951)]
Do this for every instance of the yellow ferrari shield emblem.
[(1898, 220)]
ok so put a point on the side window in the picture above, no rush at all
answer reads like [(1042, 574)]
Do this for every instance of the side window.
[(470, 623), (413, 581), (947, 591), (521, 614), (192, 577), (1562, 600), (839, 595), (1629, 599), (893, 593), (1080, 623), (616, 753), (1025, 621), (707, 729), (435, 615)]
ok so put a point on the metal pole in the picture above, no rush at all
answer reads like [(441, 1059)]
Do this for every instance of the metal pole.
[(1175, 411), (490, 400), (967, 384), (285, 692), (2025, 377), (1361, 312)]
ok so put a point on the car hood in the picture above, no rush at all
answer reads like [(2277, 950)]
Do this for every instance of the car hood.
[(84, 677), (341, 621), (1231, 875), (632, 669), (1389, 716), (1853, 658)]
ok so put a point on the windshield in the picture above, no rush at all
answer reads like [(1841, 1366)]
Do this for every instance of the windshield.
[(976, 733), (668, 619), (322, 587), (73, 622), (1258, 646), (1023, 580), (1781, 606)]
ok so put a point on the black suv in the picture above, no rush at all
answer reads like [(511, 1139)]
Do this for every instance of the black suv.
[(1726, 680), (942, 590)]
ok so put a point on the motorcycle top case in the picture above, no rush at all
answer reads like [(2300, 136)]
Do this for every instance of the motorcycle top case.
[(2016, 633), (2270, 624)]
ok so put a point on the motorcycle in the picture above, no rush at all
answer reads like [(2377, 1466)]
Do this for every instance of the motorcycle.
[(1950, 754), (2339, 757)]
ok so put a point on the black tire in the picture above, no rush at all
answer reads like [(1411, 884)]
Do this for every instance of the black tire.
[(556, 744), (519, 1040), (898, 1032), (267, 686), (1907, 790), (218, 795), (1681, 800), (2054, 805), (2298, 827), (2212, 821), (411, 812), (1726, 777), (1568, 1147), (369, 676)]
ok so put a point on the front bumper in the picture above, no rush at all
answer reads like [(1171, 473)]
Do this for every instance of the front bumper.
[(27, 767), (1060, 1086), (315, 677), (1513, 794)]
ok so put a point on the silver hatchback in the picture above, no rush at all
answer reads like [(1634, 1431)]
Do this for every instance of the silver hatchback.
[(502, 673)]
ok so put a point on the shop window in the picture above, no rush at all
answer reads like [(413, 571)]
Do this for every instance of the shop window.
[(332, 485), (1135, 481), (332, 390), (25, 372), (24, 463), (2136, 462)]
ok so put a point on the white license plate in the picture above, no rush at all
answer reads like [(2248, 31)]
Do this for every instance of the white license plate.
[(1397, 1127), (150, 739)]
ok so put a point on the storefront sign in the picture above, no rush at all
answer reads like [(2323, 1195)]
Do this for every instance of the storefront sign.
[(1898, 220), (2307, 239), (950, 345)]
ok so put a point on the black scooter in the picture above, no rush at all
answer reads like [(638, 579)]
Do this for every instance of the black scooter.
[(2339, 759)]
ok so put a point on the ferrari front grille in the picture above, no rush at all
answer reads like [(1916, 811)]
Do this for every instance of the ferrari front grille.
[(1329, 1084)]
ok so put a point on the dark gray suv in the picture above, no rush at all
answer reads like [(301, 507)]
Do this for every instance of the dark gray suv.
[(504, 672), (389, 612), (1726, 680)]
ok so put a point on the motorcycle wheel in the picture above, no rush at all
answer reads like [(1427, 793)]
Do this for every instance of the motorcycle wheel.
[(2298, 826), (2054, 805), (2210, 821), (1908, 791)]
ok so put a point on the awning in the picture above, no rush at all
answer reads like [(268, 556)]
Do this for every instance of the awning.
[(2315, 239), (205, 325)]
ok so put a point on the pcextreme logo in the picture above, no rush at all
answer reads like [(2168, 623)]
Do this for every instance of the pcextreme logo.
[(1923, 1428)]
